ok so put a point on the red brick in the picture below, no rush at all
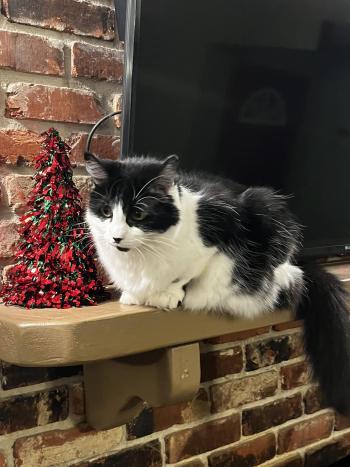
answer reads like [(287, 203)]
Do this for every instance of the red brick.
[(3, 461), (341, 422), (18, 146), (287, 325), (60, 447), (8, 238), (165, 417), (72, 16), (160, 418), (17, 189), (146, 455), (237, 392), (271, 351), (34, 101), (187, 412), (105, 146), (22, 412), (277, 412), (306, 432), (330, 453), (31, 54), (13, 376), (206, 437), (221, 363), (313, 400), (91, 61), (254, 452), (294, 375), (237, 336)]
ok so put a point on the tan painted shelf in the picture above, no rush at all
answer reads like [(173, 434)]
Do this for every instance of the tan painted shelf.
[(51, 337), (122, 346)]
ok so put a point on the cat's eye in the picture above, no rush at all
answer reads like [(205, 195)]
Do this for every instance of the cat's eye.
[(106, 211), (138, 215)]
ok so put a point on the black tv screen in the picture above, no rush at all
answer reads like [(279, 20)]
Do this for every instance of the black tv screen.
[(255, 90)]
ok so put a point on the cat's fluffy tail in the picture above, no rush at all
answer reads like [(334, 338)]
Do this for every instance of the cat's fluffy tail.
[(326, 318)]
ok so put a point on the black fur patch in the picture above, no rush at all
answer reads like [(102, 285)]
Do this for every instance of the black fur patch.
[(253, 226)]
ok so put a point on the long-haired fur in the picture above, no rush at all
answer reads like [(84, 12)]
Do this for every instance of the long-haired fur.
[(166, 238)]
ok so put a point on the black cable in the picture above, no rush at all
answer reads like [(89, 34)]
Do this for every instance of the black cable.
[(94, 128)]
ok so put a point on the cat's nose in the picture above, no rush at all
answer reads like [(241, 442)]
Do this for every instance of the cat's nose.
[(117, 239)]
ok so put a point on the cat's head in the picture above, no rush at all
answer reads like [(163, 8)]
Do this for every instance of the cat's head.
[(132, 200)]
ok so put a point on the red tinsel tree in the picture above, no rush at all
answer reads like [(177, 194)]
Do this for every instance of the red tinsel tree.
[(55, 265)]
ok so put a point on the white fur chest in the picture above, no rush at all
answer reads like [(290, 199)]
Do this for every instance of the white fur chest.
[(178, 255)]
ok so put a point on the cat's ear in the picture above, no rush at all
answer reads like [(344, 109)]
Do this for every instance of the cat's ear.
[(95, 168), (169, 170), (167, 175)]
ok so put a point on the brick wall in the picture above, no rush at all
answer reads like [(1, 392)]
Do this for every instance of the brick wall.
[(61, 64), (256, 405)]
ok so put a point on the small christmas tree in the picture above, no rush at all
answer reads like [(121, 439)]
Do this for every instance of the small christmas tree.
[(55, 257)]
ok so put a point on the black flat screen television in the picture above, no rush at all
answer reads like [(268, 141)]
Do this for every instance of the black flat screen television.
[(256, 90)]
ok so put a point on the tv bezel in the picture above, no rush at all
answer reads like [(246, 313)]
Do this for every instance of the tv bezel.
[(132, 9), (131, 25)]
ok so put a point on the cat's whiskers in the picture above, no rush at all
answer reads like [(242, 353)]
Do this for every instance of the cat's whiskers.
[(84, 224), (78, 234), (162, 242), (81, 227), (81, 239), (88, 245), (104, 197), (147, 184), (154, 197), (141, 204), (153, 251), (141, 254), (156, 235)]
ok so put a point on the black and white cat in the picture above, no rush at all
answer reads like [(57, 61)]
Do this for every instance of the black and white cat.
[(168, 238)]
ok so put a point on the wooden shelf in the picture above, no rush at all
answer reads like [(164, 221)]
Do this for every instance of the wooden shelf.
[(121, 346), (50, 337)]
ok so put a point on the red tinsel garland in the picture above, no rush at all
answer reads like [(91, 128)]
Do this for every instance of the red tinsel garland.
[(55, 265)]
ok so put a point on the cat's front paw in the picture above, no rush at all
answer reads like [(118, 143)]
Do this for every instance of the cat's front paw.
[(128, 299), (167, 300)]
